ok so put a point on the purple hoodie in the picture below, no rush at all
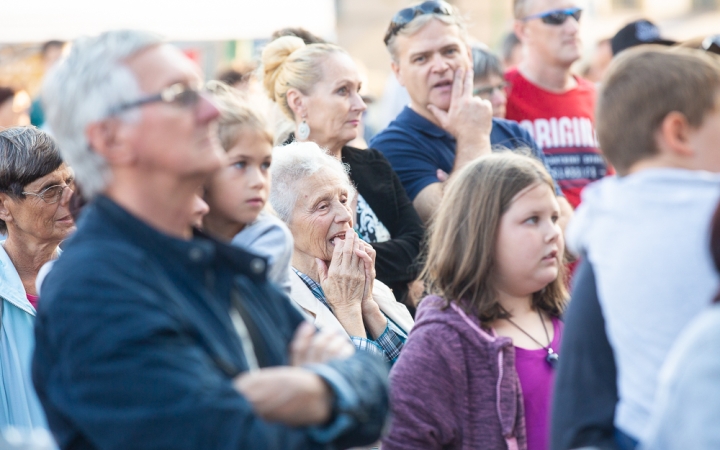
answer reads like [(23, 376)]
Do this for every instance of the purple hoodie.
[(455, 386)]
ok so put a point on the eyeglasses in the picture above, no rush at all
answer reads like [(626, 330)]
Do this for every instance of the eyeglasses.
[(487, 92), (405, 16), (556, 16), (179, 93), (51, 194), (712, 44)]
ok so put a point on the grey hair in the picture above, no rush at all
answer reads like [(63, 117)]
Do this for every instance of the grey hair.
[(294, 162), (486, 63), (83, 89), (26, 154), (419, 22)]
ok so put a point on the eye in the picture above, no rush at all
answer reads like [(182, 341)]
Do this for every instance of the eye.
[(533, 220), (419, 59), (343, 90), (240, 165), (450, 51), (265, 165), (555, 218), (322, 206)]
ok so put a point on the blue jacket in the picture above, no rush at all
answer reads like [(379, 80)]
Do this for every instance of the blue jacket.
[(136, 348), (19, 406)]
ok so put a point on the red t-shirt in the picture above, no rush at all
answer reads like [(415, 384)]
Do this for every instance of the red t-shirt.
[(563, 126), (33, 299)]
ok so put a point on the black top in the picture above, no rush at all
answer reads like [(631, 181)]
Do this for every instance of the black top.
[(380, 186), (585, 383), (136, 347)]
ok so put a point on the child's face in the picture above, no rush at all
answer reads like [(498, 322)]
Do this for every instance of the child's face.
[(529, 242), (705, 141), (238, 192)]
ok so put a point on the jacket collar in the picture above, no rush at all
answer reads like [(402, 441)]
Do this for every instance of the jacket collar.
[(200, 250), (11, 287)]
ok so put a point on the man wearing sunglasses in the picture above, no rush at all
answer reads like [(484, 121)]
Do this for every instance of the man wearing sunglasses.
[(445, 127), (556, 107), (148, 336)]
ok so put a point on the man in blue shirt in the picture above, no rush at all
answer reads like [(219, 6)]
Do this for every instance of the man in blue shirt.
[(151, 336), (444, 127)]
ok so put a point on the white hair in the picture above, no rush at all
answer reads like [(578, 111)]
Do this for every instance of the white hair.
[(294, 162), (82, 89)]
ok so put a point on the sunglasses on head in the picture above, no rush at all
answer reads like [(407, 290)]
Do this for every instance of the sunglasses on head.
[(556, 16), (405, 16), (712, 44)]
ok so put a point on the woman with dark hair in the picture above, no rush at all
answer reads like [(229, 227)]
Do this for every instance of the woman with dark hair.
[(35, 189), (687, 405)]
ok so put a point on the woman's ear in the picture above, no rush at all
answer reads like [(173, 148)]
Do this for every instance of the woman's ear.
[(296, 102), (5, 214)]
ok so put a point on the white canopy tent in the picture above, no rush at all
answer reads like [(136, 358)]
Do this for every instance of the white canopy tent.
[(176, 20)]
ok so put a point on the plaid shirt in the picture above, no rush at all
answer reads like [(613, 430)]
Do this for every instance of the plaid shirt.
[(387, 345)]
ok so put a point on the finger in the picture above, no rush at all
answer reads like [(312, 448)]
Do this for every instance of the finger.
[(322, 269), (441, 175), (440, 115), (358, 246), (468, 83), (339, 244), (316, 351), (301, 343), (458, 86), (337, 347), (348, 247)]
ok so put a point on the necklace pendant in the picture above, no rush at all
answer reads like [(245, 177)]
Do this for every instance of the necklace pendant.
[(552, 357)]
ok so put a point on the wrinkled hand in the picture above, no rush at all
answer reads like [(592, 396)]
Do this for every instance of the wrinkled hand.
[(310, 346), (290, 395), (468, 117), (344, 281)]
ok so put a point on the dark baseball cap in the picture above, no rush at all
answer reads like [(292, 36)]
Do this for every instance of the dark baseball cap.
[(637, 33)]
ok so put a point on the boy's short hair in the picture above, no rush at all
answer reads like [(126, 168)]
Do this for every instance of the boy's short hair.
[(642, 86)]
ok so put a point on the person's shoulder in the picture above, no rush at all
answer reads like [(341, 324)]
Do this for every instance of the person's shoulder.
[(512, 75), (369, 155), (585, 85), (509, 133)]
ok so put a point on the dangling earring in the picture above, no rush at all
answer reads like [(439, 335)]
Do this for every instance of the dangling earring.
[(303, 131)]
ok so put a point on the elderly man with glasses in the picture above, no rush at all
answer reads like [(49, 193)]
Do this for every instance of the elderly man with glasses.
[(445, 127), (152, 336), (556, 107)]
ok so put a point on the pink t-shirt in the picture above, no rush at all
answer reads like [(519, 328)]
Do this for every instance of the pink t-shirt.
[(536, 379), (33, 299)]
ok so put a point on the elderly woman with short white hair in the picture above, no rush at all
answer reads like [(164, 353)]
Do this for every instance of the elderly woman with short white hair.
[(334, 269)]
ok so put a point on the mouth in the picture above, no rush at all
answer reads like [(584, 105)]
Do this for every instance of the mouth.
[(66, 219), (256, 201), (340, 236), (551, 256), (443, 84)]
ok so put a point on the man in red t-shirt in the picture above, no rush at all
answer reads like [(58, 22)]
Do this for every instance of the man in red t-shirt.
[(556, 107)]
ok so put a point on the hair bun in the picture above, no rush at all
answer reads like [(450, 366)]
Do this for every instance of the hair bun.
[(274, 56)]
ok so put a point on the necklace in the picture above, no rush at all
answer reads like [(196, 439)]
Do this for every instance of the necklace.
[(552, 357)]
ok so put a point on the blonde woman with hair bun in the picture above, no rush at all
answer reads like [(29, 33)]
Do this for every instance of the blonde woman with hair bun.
[(317, 87)]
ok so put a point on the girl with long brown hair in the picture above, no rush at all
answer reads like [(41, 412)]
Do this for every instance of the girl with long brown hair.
[(477, 369)]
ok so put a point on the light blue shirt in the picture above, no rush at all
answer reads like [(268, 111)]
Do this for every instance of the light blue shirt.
[(19, 405)]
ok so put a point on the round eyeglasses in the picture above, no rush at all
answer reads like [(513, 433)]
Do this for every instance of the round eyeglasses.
[(51, 194)]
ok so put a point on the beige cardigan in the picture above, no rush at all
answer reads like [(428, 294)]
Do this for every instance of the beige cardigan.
[(325, 319)]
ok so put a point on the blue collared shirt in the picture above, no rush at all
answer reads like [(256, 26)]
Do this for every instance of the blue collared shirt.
[(387, 345), (416, 148)]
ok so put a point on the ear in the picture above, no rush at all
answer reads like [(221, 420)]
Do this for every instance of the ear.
[(673, 136), (5, 214), (396, 70), (519, 29), (296, 102), (108, 138)]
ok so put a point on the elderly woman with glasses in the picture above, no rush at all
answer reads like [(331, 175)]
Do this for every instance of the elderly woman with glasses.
[(35, 189), (317, 88), (333, 276), (489, 79)]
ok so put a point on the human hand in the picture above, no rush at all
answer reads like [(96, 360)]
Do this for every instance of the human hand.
[(290, 395), (469, 118), (343, 283), (310, 346)]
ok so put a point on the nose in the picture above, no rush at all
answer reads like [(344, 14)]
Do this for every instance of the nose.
[(343, 213), (439, 64), (553, 233), (498, 97), (206, 110), (257, 178), (67, 193), (358, 104)]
